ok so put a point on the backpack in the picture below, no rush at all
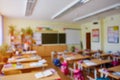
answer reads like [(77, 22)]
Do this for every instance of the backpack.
[(64, 68), (56, 62), (103, 78), (115, 61), (77, 74)]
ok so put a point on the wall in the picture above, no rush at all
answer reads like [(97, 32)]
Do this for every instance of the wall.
[(22, 23), (103, 25), (87, 27), (109, 22)]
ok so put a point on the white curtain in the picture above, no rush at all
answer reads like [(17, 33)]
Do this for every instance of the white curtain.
[(1, 30)]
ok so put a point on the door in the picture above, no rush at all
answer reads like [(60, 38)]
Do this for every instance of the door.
[(88, 40)]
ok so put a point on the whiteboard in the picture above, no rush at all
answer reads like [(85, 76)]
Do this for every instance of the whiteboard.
[(72, 36), (37, 38)]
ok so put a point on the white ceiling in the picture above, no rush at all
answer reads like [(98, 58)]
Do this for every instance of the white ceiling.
[(45, 9)]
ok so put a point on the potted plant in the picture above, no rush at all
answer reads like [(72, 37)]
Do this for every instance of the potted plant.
[(29, 31), (11, 30), (73, 48), (3, 52)]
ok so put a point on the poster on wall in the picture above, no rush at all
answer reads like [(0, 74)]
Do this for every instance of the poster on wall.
[(95, 35), (113, 34)]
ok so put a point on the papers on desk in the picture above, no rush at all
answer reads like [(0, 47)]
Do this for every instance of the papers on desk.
[(29, 52), (43, 74), (22, 59), (116, 73), (8, 65), (36, 64), (69, 58), (11, 59), (42, 61), (89, 63), (39, 63), (35, 57), (19, 66)]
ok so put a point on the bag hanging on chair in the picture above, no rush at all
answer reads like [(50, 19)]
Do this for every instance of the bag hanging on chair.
[(64, 68), (103, 78), (78, 75), (56, 62)]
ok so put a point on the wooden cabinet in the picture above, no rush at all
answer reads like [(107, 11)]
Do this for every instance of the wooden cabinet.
[(45, 50)]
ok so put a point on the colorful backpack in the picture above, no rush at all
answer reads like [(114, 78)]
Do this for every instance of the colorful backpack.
[(115, 62), (56, 62), (64, 68), (78, 75), (103, 78)]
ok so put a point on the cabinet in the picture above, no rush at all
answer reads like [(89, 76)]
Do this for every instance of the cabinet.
[(45, 50)]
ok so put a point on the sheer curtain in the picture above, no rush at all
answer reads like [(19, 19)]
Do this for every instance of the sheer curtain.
[(1, 30)]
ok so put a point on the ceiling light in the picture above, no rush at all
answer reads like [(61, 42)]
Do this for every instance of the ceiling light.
[(30, 7), (68, 7), (84, 1), (97, 12)]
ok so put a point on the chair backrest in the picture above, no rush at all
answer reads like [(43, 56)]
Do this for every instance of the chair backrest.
[(90, 78), (53, 53), (76, 72)]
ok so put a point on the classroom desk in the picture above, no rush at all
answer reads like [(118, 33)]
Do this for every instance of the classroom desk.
[(25, 66), (89, 52), (2, 63), (29, 52), (21, 56), (104, 55), (96, 61), (29, 76), (24, 59), (74, 57), (111, 70)]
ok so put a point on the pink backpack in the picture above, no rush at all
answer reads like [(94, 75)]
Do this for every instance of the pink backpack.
[(115, 61), (64, 68), (78, 75)]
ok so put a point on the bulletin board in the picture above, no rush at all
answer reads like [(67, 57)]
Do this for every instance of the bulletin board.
[(113, 34), (95, 35)]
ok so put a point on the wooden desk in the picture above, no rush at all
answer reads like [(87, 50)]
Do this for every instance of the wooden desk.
[(104, 55), (25, 66), (29, 76), (2, 63), (89, 52), (74, 57), (21, 56), (97, 63), (113, 69), (27, 59)]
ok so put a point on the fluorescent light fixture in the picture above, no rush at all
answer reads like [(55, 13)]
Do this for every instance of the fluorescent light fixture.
[(84, 1), (30, 7), (68, 7), (97, 12), (65, 9)]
